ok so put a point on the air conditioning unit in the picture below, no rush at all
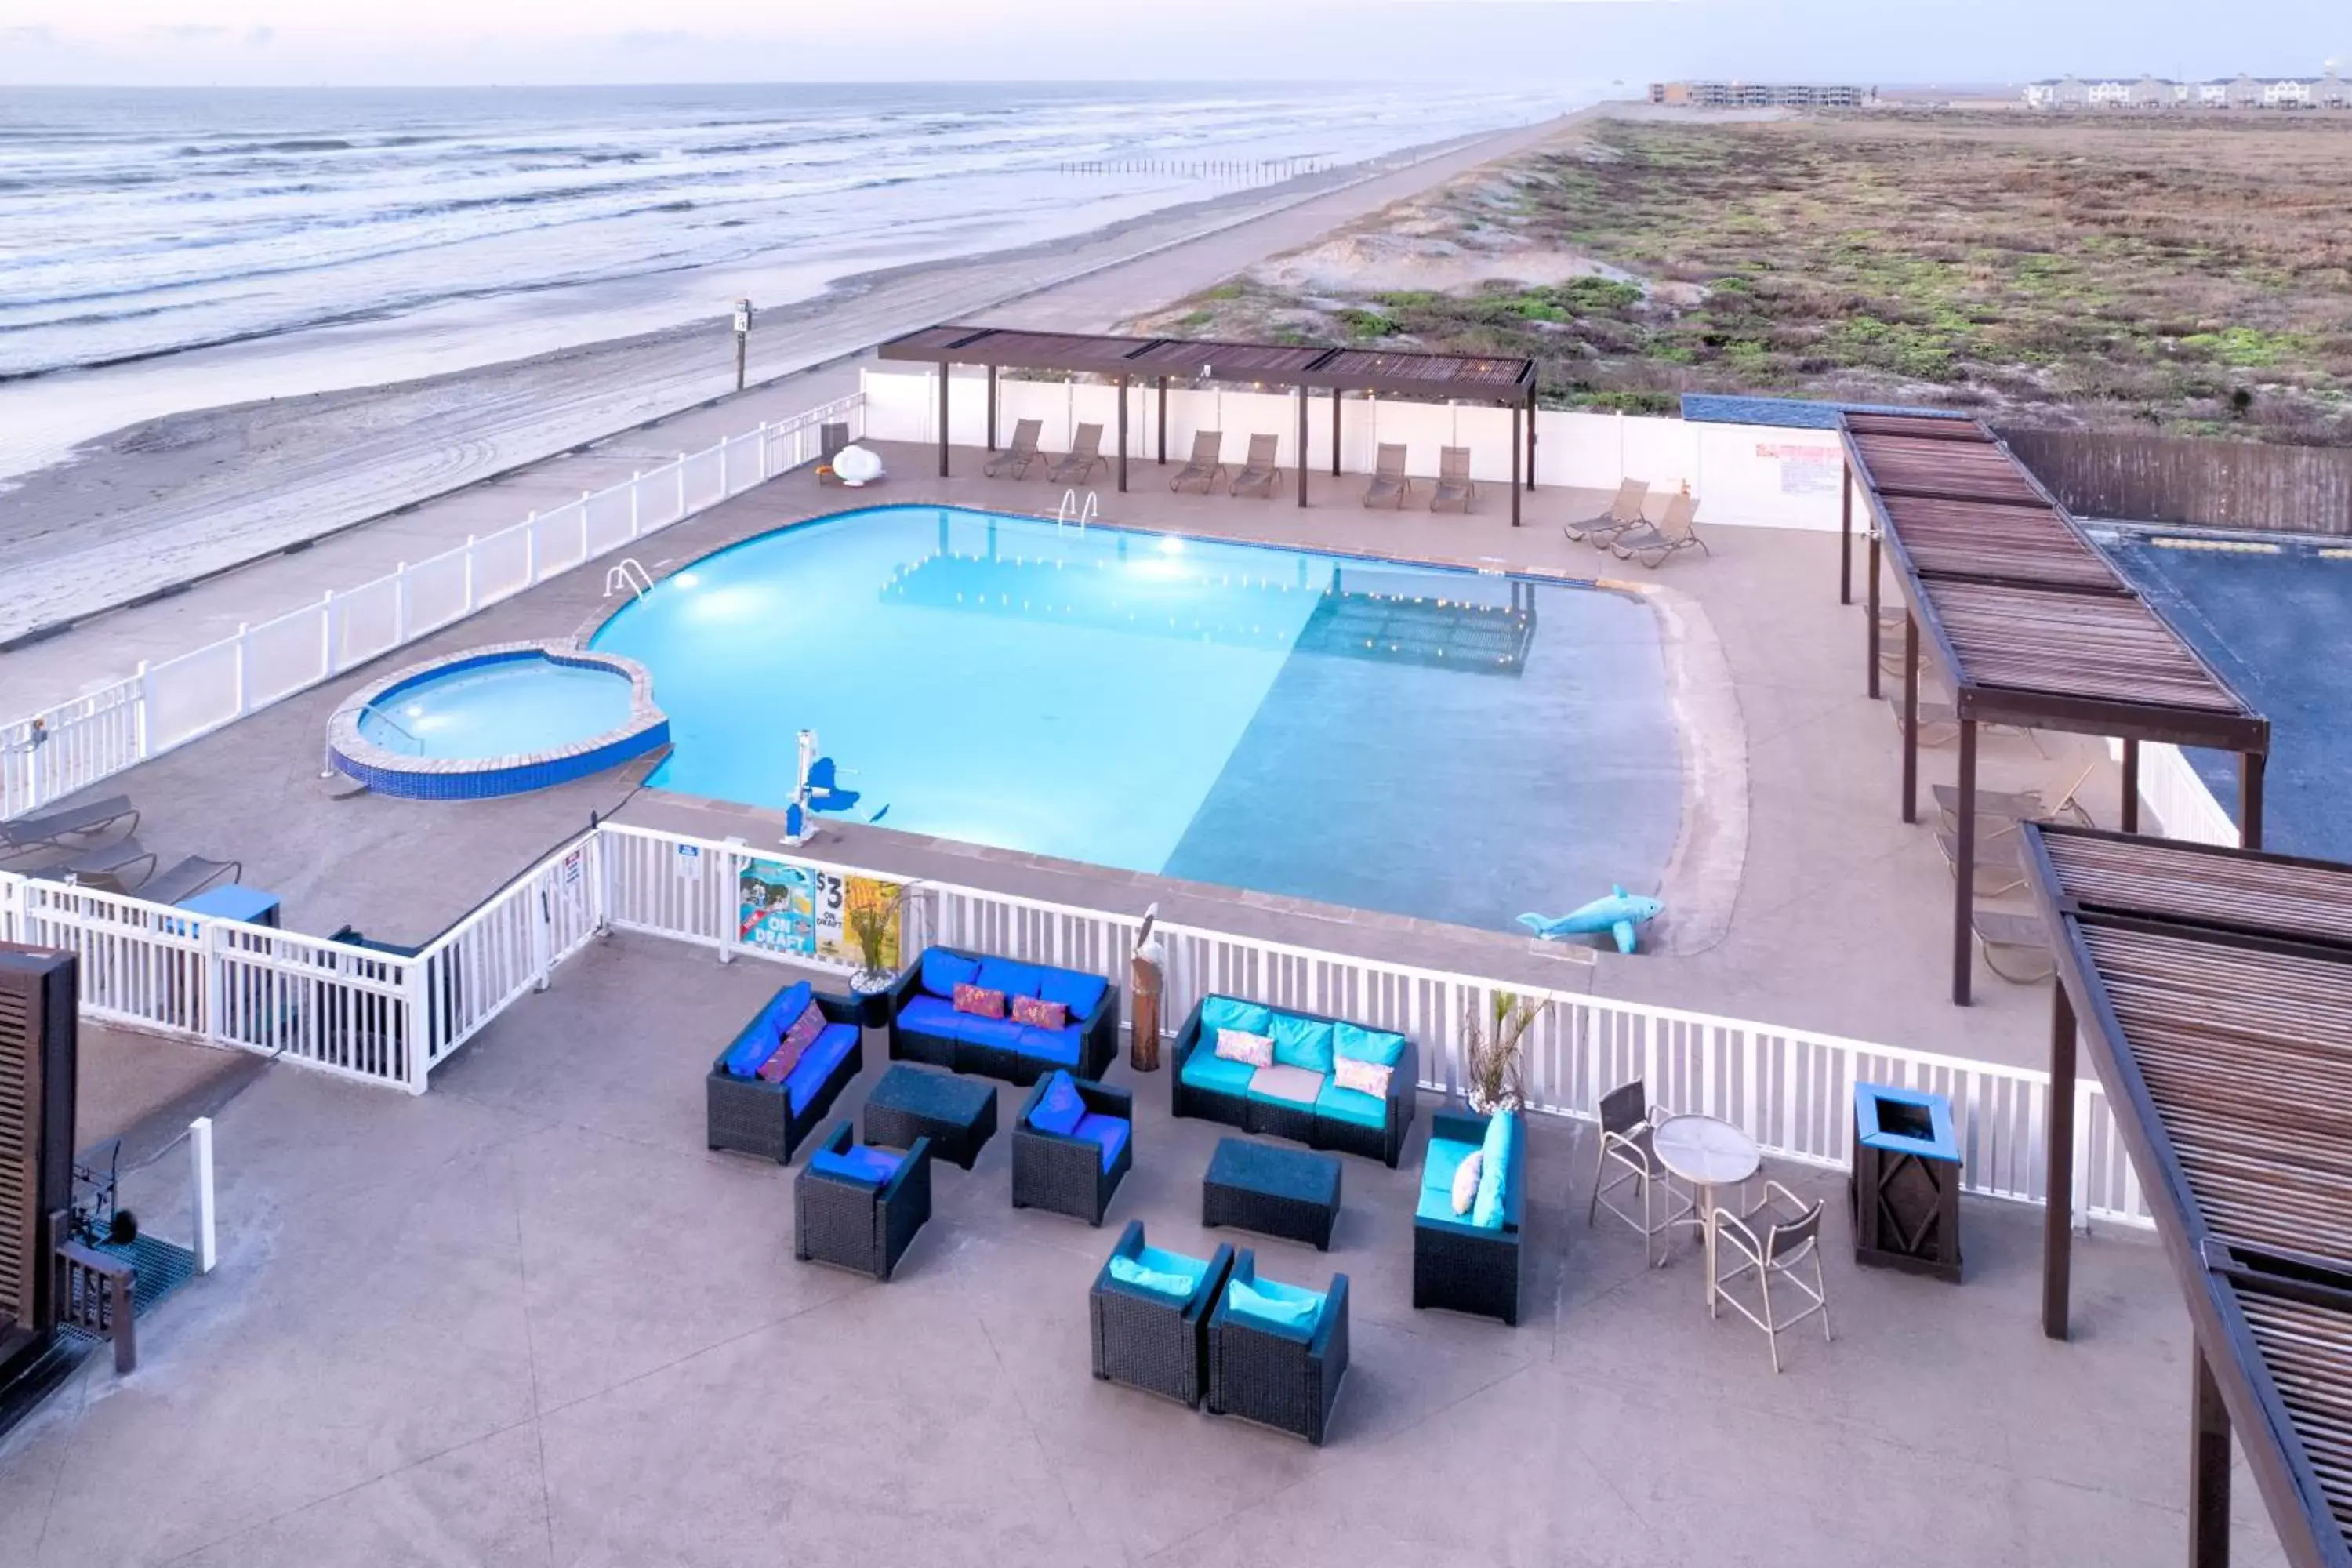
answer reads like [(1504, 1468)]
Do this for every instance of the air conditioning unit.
[(39, 997)]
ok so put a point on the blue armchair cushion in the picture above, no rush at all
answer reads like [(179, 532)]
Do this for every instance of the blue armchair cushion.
[(1058, 1109), (943, 971), (1013, 978), (755, 1045), (1302, 1043), (931, 1016), (1219, 1075), (1225, 1013), (817, 1062), (1352, 1105), (1081, 994), (1269, 1302), (1192, 1269), (1110, 1131), (1502, 1131), (862, 1164), (1367, 1045), (1143, 1277)]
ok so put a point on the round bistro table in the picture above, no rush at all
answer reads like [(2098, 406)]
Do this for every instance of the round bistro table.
[(1706, 1152)]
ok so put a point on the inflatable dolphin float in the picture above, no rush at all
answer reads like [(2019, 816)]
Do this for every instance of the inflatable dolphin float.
[(1617, 914)]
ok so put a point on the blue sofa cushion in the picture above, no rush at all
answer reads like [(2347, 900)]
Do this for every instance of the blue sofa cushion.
[(944, 971), (862, 1164), (1219, 1075), (1058, 1109), (1057, 1046), (1225, 1013), (1286, 1306), (755, 1045), (1159, 1281), (1502, 1131), (1110, 1131), (1081, 994), (1367, 1045), (1001, 1033), (817, 1062), (1302, 1043), (1009, 976), (1352, 1105), (931, 1016)]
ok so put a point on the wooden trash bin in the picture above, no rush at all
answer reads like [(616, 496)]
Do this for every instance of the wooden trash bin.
[(1905, 1189)]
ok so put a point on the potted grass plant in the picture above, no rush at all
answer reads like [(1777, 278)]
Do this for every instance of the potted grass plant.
[(1492, 1041), (873, 927)]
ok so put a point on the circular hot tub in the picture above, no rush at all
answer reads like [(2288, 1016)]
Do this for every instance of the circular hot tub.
[(496, 721)]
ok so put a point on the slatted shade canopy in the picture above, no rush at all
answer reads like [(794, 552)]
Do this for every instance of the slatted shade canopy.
[(1502, 380), (1997, 541), (1944, 467), (2213, 987)]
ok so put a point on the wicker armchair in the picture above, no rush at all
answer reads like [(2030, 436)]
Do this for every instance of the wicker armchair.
[(753, 1116), (1466, 1267), (855, 1224), (1068, 1172), (1149, 1340), (1284, 1378)]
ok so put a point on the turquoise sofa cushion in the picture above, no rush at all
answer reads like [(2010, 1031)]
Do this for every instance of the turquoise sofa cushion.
[(1302, 1043), (1351, 1105), (1502, 1131), (944, 971), (1365, 1045), (1444, 1158), (1009, 976), (1285, 1306), (1143, 1277), (1059, 1108), (1081, 994), (755, 1045), (817, 1062), (1437, 1203), (1220, 1075), (1225, 1013), (1108, 1132), (862, 1163)]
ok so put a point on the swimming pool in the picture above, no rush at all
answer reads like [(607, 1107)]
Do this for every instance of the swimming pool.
[(1453, 746)]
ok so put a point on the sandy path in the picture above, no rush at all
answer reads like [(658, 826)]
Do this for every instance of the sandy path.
[(178, 499)]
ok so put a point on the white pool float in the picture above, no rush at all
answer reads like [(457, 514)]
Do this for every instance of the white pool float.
[(857, 466)]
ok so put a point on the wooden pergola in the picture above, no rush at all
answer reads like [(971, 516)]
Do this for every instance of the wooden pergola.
[(2214, 989), (2030, 624), (1462, 378)]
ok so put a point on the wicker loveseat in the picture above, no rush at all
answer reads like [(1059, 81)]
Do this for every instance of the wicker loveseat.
[(1292, 1100), (925, 1027), (1459, 1263), (770, 1118)]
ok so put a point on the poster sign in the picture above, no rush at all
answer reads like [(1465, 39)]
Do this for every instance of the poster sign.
[(1805, 469), (689, 861), (803, 912)]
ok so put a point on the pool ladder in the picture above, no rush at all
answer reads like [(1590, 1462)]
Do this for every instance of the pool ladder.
[(630, 575), (1070, 508), (327, 769)]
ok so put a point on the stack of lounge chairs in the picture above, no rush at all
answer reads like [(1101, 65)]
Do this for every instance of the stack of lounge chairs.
[(92, 845)]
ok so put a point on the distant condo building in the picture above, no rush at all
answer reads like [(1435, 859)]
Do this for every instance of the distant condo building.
[(1759, 95), (2326, 92)]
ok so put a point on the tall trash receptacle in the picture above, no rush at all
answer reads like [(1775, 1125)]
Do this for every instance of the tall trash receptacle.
[(1906, 1190)]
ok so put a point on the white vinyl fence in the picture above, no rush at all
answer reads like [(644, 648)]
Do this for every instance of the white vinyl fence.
[(390, 1018), (47, 755), (2175, 796)]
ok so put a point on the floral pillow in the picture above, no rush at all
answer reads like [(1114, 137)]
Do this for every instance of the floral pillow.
[(979, 1001), (1038, 1011), (804, 1029), (1364, 1078), (1240, 1045), (1466, 1182)]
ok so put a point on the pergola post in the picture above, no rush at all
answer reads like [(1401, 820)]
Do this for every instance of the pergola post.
[(2058, 1170), (2129, 815), (944, 369), (1846, 539), (1163, 421), (1302, 444), (2250, 799), (1910, 718), (2209, 1469), (1964, 865), (1531, 435), (992, 408), (1122, 435), (1515, 465), (1335, 434), (1873, 678)]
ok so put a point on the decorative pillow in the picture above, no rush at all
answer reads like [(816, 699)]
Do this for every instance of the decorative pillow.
[(1367, 1045), (1296, 1312), (1060, 1108), (1302, 1043), (780, 1063), (1364, 1078), (1465, 1181), (1240, 1045), (944, 971), (1501, 1128), (980, 1003), (1225, 1013), (1128, 1271), (1040, 1013), (804, 1029)]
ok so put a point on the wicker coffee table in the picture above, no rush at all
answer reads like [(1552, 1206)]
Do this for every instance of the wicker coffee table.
[(1274, 1192), (957, 1114)]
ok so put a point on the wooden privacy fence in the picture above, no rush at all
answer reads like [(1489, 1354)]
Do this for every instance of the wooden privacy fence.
[(2215, 484)]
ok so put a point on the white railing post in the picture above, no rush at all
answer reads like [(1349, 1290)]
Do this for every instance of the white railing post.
[(417, 999), (400, 604), (208, 959), (681, 484), (585, 496), (469, 574), (636, 483), (327, 635), (542, 942), (200, 1191), (530, 550), (763, 457), (146, 703), (243, 670)]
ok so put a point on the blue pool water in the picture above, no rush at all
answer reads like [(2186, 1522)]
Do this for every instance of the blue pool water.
[(1451, 746), (500, 708)]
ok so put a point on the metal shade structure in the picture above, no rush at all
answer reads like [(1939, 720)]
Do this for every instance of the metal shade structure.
[(2213, 987), (2030, 623), (1499, 380)]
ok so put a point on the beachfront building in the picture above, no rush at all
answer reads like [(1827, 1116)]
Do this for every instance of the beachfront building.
[(2110, 94), (2058, 93), (2155, 92), (1761, 95)]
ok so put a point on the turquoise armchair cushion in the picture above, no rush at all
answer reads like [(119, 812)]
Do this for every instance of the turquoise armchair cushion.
[(1286, 1306), (1143, 1277)]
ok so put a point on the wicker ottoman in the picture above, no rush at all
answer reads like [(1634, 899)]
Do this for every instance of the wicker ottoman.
[(957, 1114), (1274, 1192)]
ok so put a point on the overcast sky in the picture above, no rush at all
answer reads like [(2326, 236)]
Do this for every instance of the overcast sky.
[(1522, 42)]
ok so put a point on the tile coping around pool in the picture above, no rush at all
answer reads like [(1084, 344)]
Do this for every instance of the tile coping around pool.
[(350, 747)]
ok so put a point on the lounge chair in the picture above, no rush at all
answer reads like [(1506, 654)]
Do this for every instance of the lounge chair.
[(1258, 475), (2008, 808), (1624, 512), (1938, 725), (1016, 459), (2016, 946), (1653, 542), (1204, 467), (190, 877), (123, 867), (55, 831), (1456, 489), (1389, 486), (1084, 454), (1997, 869)]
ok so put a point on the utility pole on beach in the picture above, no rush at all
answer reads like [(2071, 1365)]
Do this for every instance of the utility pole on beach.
[(742, 338)]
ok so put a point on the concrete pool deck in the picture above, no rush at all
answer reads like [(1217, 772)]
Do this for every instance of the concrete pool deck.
[(1837, 919)]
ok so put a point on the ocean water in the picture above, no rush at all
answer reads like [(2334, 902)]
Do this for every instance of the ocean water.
[(1448, 744), (136, 223)]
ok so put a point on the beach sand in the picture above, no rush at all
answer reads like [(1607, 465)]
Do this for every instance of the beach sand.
[(156, 505)]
